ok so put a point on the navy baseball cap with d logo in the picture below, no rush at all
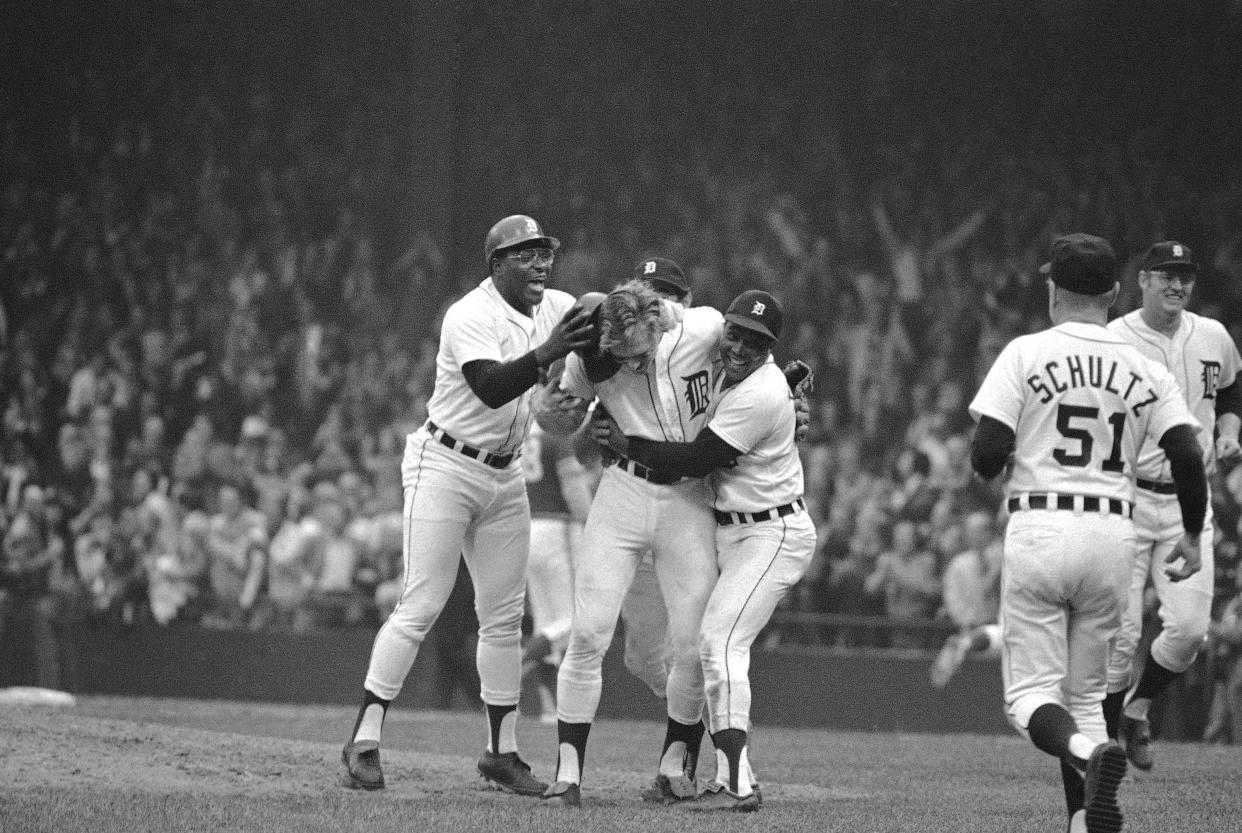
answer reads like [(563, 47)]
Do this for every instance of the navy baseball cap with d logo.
[(1169, 256), (663, 274), (1082, 263), (756, 310)]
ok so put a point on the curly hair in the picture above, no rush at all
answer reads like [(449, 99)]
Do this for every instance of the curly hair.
[(631, 310)]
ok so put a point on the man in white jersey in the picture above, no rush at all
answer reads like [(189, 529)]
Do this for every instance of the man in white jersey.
[(764, 537), (1066, 410), (465, 495), (1202, 357), (658, 387)]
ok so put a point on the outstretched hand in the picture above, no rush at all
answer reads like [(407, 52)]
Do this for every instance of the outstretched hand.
[(574, 332)]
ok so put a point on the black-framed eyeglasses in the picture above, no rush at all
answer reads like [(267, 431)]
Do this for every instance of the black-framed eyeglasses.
[(1169, 278), (527, 256)]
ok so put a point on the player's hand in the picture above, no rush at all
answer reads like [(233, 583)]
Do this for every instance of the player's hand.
[(574, 332), (1228, 450), (606, 432), (1187, 550)]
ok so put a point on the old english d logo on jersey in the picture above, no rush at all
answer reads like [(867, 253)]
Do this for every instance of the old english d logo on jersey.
[(698, 392), (1210, 377)]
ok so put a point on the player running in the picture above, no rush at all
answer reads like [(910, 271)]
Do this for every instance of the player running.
[(466, 498), (1067, 410), (764, 537), (1202, 357)]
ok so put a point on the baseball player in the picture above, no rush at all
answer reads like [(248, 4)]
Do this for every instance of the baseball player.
[(559, 490), (764, 537), (658, 387), (1203, 359), (465, 495), (1066, 410)]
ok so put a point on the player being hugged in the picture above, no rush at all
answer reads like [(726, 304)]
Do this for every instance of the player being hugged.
[(1202, 357), (1067, 410), (764, 536), (465, 496)]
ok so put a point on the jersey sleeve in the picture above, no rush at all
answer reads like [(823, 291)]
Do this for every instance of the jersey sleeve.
[(574, 378), (1170, 407), (1002, 394), (469, 338), (751, 413)]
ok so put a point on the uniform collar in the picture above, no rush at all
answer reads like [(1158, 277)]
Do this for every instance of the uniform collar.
[(516, 316)]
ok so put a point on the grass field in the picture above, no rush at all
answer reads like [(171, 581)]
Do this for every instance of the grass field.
[(111, 765)]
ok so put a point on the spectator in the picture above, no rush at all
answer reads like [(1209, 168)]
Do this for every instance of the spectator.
[(905, 575), (237, 544), (971, 598)]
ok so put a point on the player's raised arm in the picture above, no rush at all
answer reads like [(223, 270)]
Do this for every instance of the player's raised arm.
[(497, 383)]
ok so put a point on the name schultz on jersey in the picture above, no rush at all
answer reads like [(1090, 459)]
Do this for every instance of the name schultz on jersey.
[(1074, 371)]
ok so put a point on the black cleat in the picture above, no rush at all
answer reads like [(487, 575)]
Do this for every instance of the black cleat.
[(1136, 737), (1105, 769), (362, 765), (562, 794), (509, 772)]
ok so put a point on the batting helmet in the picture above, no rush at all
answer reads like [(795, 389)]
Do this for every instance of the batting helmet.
[(513, 230)]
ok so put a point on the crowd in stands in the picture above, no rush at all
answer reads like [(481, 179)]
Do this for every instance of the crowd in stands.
[(218, 317)]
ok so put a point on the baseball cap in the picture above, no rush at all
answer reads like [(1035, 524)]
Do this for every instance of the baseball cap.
[(1082, 263), (1169, 256), (662, 273), (756, 310)]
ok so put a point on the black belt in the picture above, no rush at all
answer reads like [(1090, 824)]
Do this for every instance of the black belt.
[(1066, 502), (1157, 487), (730, 518), (496, 461), (650, 475)]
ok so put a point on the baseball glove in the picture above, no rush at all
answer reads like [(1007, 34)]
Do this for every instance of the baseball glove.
[(799, 376)]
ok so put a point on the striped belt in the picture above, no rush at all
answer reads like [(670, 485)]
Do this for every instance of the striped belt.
[(730, 518), (650, 475), (1157, 487), (496, 461), (1072, 503)]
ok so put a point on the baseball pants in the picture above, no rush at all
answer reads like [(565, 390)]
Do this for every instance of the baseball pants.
[(457, 507), (759, 563), (629, 516), (1185, 606), (550, 577), (1063, 589), (647, 649)]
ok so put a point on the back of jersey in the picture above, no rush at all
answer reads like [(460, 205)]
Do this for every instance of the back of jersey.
[(1081, 403)]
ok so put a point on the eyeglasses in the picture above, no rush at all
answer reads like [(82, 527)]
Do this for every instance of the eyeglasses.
[(527, 256), (1169, 278)]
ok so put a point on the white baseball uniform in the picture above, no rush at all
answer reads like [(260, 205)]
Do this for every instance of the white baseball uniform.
[(1202, 357), (465, 497), (764, 539), (1081, 403), (636, 510)]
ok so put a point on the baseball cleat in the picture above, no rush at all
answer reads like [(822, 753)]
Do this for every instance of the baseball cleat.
[(718, 797), (949, 660), (510, 773), (362, 765), (562, 794), (1105, 769), (670, 789), (1136, 736)]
